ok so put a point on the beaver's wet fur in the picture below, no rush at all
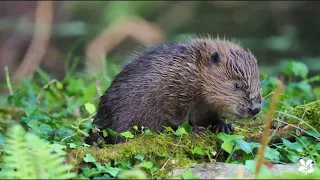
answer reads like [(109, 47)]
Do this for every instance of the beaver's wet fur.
[(203, 81)]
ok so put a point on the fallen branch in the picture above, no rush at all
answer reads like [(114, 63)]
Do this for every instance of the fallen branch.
[(144, 32), (40, 40)]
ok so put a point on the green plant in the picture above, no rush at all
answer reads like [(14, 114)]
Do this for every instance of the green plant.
[(28, 156)]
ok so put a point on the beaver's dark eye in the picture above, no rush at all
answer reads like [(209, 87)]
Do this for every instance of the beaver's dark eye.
[(237, 86)]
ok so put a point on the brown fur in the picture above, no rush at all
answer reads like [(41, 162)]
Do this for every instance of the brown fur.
[(171, 83)]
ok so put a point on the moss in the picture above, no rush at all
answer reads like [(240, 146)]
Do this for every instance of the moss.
[(178, 151), (166, 151), (309, 113), (9, 115), (6, 112), (249, 128)]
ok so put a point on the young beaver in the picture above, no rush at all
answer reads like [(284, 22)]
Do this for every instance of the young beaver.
[(202, 81)]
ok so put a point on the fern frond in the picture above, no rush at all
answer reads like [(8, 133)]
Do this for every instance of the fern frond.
[(28, 156)]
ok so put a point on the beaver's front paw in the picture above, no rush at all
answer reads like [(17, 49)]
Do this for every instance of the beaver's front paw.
[(222, 126), (199, 130)]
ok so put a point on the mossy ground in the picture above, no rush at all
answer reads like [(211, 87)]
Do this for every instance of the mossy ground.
[(308, 113), (168, 151), (165, 150)]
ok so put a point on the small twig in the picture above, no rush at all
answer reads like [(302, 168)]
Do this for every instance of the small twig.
[(175, 144), (78, 131), (218, 153), (69, 137), (8, 80), (267, 95), (312, 79), (86, 119), (43, 88), (180, 139), (266, 132), (297, 127), (165, 164)]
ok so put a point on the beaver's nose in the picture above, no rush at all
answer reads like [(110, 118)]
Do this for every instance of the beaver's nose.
[(255, 109)]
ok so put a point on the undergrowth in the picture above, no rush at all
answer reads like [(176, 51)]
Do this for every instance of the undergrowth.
[(26, 156), (59, 113)]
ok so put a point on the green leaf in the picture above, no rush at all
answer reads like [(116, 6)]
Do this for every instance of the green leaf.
[(290, 145), (227, 137), (135, 127), (198, 150), (188, 175), (154, 169), (72, 145), (59, 85), (34, 125), (227, 146), (90, 172), (293, 157), (245, 146), (147, 164), (123, 165), (169, 129), (186, 126), (147, 131), (90, 108), (113, 171), (112, 132), (99, 166), (17, 98), (105, 133), (294, 68), (127, 134), (75, 86), (272, 154), (140, 157), (45, 129), (180, 131), (228, 141), (89, 158)]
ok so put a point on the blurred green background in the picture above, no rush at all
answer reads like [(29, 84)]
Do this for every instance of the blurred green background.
[(84, 31)]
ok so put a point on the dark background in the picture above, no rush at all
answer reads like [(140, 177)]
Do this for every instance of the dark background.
[(274, 31)]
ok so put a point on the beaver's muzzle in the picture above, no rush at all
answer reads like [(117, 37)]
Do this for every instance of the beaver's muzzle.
[(255, 109)]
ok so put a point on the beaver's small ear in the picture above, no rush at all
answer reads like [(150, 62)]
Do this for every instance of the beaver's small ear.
[(215, 59)]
